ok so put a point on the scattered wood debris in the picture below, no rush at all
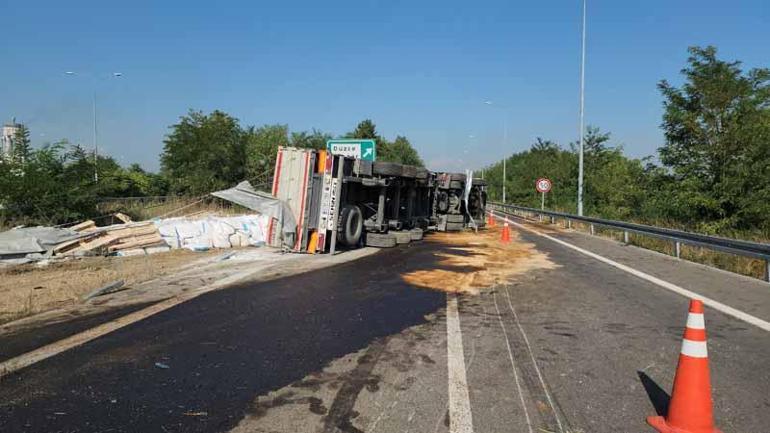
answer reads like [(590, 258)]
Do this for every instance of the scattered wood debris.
[(112, 239)]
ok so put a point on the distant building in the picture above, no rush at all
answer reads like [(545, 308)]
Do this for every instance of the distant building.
[(7, 137)]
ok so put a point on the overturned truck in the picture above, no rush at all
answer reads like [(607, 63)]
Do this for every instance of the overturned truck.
[(339, 201)]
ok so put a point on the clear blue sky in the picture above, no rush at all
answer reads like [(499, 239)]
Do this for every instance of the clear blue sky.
[(417, 68)]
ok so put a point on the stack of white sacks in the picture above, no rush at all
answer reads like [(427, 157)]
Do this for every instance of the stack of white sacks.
[(214, 232)]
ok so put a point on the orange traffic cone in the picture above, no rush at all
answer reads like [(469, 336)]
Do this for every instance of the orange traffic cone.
[(491, 220), (690, 409), (506, 235)]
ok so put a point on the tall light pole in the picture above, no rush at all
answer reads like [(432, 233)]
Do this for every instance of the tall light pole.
[(505, 140), (582, 111), (96, 143)]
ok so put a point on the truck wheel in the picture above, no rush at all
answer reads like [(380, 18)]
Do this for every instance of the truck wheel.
[(381, 240), (416, 234), (387, 168), (403, 237), (454, 227), (351, 225)]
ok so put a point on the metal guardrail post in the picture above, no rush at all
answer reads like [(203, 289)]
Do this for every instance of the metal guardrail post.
[(678, 249), (569, 223), (592, 229), (767, 270), (625, 237)]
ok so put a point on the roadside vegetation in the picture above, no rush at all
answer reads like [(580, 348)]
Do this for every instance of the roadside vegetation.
[(712, 175), (56, 184)]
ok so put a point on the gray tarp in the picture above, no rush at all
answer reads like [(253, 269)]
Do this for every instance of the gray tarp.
[(245, 195), (31, 240)]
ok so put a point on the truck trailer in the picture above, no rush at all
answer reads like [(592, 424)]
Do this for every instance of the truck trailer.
[(339, 201)]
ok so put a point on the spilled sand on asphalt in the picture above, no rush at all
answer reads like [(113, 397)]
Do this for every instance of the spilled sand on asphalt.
[(473, 261)]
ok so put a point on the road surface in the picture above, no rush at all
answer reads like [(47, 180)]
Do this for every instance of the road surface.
[(580, 346)]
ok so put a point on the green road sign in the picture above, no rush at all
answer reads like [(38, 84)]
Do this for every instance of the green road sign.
[(354, 148)]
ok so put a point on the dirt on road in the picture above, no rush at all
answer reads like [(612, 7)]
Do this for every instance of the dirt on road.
[(478, 260)]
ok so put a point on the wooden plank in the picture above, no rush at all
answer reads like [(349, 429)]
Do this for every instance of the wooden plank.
[(85, 225), (98, 242), (123, 217), (141, 242)]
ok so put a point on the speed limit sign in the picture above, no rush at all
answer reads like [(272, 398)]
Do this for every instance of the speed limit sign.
[(543, 185)]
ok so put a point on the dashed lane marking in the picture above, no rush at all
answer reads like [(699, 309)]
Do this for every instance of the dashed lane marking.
[(726, 309), (460, 418)]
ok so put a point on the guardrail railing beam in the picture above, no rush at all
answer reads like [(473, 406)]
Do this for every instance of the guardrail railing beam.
[(755, 250)]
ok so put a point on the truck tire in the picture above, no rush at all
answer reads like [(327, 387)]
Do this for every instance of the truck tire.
[(416, 234), (351, 225), (403, 237), (387, 168), (454, 218), (454, 227), (380, 240)]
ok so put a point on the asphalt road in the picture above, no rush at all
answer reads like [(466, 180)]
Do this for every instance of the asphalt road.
[(583, 347)]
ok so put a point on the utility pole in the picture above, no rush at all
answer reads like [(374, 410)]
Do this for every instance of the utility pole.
[(505, 154), (582, 112), (96, 146), (93, 106), (505, 139)]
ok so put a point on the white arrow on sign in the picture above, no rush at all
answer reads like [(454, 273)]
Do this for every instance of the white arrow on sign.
[(368, 152)]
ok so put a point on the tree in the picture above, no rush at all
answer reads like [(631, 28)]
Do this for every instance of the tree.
[(313, 140), (400, 151), (204, 153), (365, 129), (717, 129), (261, 149), (22, 145)]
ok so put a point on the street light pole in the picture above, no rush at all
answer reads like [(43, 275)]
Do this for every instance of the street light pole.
[(93, 105), (96, 145), (582, 112), (505, 140), (505, 155)]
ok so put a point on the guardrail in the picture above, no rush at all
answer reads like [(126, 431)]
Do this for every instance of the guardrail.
[(679, 237)]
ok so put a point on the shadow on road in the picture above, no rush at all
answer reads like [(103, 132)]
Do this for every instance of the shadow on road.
[(657, 395)]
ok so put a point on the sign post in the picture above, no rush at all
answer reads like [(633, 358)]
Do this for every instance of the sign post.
[(353, 148), (543, 185)]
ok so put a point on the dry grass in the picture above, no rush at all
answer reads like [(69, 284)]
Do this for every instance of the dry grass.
[(142, 209), (29, 289)]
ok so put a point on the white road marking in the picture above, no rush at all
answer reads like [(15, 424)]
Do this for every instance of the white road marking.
[(45, 352), (532, 356), (513, 365), (726, 309), (460, 419)]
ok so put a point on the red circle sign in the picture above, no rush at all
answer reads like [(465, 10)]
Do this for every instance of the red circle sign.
[(543, 185)]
